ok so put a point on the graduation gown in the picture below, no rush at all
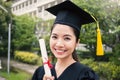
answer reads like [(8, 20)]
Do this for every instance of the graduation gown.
[(75, 71)]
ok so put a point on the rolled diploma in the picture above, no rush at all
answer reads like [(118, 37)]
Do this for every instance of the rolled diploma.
[(44, 57)]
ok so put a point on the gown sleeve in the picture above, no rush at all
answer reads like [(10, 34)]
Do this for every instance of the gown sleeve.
[(38, 74), (88, 74)]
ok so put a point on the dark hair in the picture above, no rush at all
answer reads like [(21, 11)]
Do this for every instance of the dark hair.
[(77, 34), (74, 54)]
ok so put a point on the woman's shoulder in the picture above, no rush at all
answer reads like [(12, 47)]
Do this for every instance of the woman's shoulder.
[(86, 73), (38, 74), (40, 68), (80, 66)]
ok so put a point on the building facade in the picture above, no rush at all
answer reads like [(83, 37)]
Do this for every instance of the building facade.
[(34, 7)]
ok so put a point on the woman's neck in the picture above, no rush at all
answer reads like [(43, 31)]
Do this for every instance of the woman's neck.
[(62, 64), (65, 61)]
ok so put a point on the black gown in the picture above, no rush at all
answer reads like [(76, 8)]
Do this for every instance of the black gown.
[(75, 71)]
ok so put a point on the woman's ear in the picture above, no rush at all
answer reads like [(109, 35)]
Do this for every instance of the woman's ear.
[(78, 43)]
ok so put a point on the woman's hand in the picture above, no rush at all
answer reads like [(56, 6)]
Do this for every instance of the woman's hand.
[(45, 77)]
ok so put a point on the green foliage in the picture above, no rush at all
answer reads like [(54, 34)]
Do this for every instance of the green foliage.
[(46, 37), (116, 56), (15, 74), (88, 32), (105, 70), (23, 37), (109, 70), (107, 13), (4, 19), (26, 57)]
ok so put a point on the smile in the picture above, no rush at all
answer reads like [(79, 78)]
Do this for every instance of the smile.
[(60, 51)]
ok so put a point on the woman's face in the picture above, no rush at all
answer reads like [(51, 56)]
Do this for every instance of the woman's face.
[(62, 41)]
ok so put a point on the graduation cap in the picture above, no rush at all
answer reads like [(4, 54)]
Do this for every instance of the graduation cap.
[(68, 13)]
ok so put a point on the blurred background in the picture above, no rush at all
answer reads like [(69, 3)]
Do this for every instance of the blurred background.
[(23, 22)]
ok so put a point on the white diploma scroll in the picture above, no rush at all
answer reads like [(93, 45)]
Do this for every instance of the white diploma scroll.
[(44, 57)]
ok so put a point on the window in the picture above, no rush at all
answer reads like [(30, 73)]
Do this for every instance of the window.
[(26, 3), (16, 7), (34, 13), (45, 6), (39, 9), (35, 1), (30, 1), (23, 5), (13, 8), (20, 6), (52, 3)]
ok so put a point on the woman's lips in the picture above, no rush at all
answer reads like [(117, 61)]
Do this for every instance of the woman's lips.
[(58, 51)]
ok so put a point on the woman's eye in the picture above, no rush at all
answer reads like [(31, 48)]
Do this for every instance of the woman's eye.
[(67, 39), (54, 37)]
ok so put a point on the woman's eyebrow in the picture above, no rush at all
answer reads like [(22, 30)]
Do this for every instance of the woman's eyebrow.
[(53, 34), (67, 35)]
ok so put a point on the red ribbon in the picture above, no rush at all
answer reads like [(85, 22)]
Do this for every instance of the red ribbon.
[(48, 63)]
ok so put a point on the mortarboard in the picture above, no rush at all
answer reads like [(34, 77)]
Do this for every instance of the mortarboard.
[(68, 13)]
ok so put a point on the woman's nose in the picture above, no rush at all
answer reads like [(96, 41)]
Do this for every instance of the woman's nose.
[(59, 43)]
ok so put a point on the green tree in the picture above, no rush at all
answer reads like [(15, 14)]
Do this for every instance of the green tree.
[(23, 33), (88, 32), (4, 20), (107, 13)]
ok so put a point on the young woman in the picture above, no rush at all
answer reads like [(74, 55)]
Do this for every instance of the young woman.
[(64, 38)]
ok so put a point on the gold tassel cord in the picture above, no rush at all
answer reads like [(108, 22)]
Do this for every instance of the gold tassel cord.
[(99, 48)]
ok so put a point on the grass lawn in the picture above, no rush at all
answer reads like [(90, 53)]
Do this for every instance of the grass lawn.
[(15, 74)]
